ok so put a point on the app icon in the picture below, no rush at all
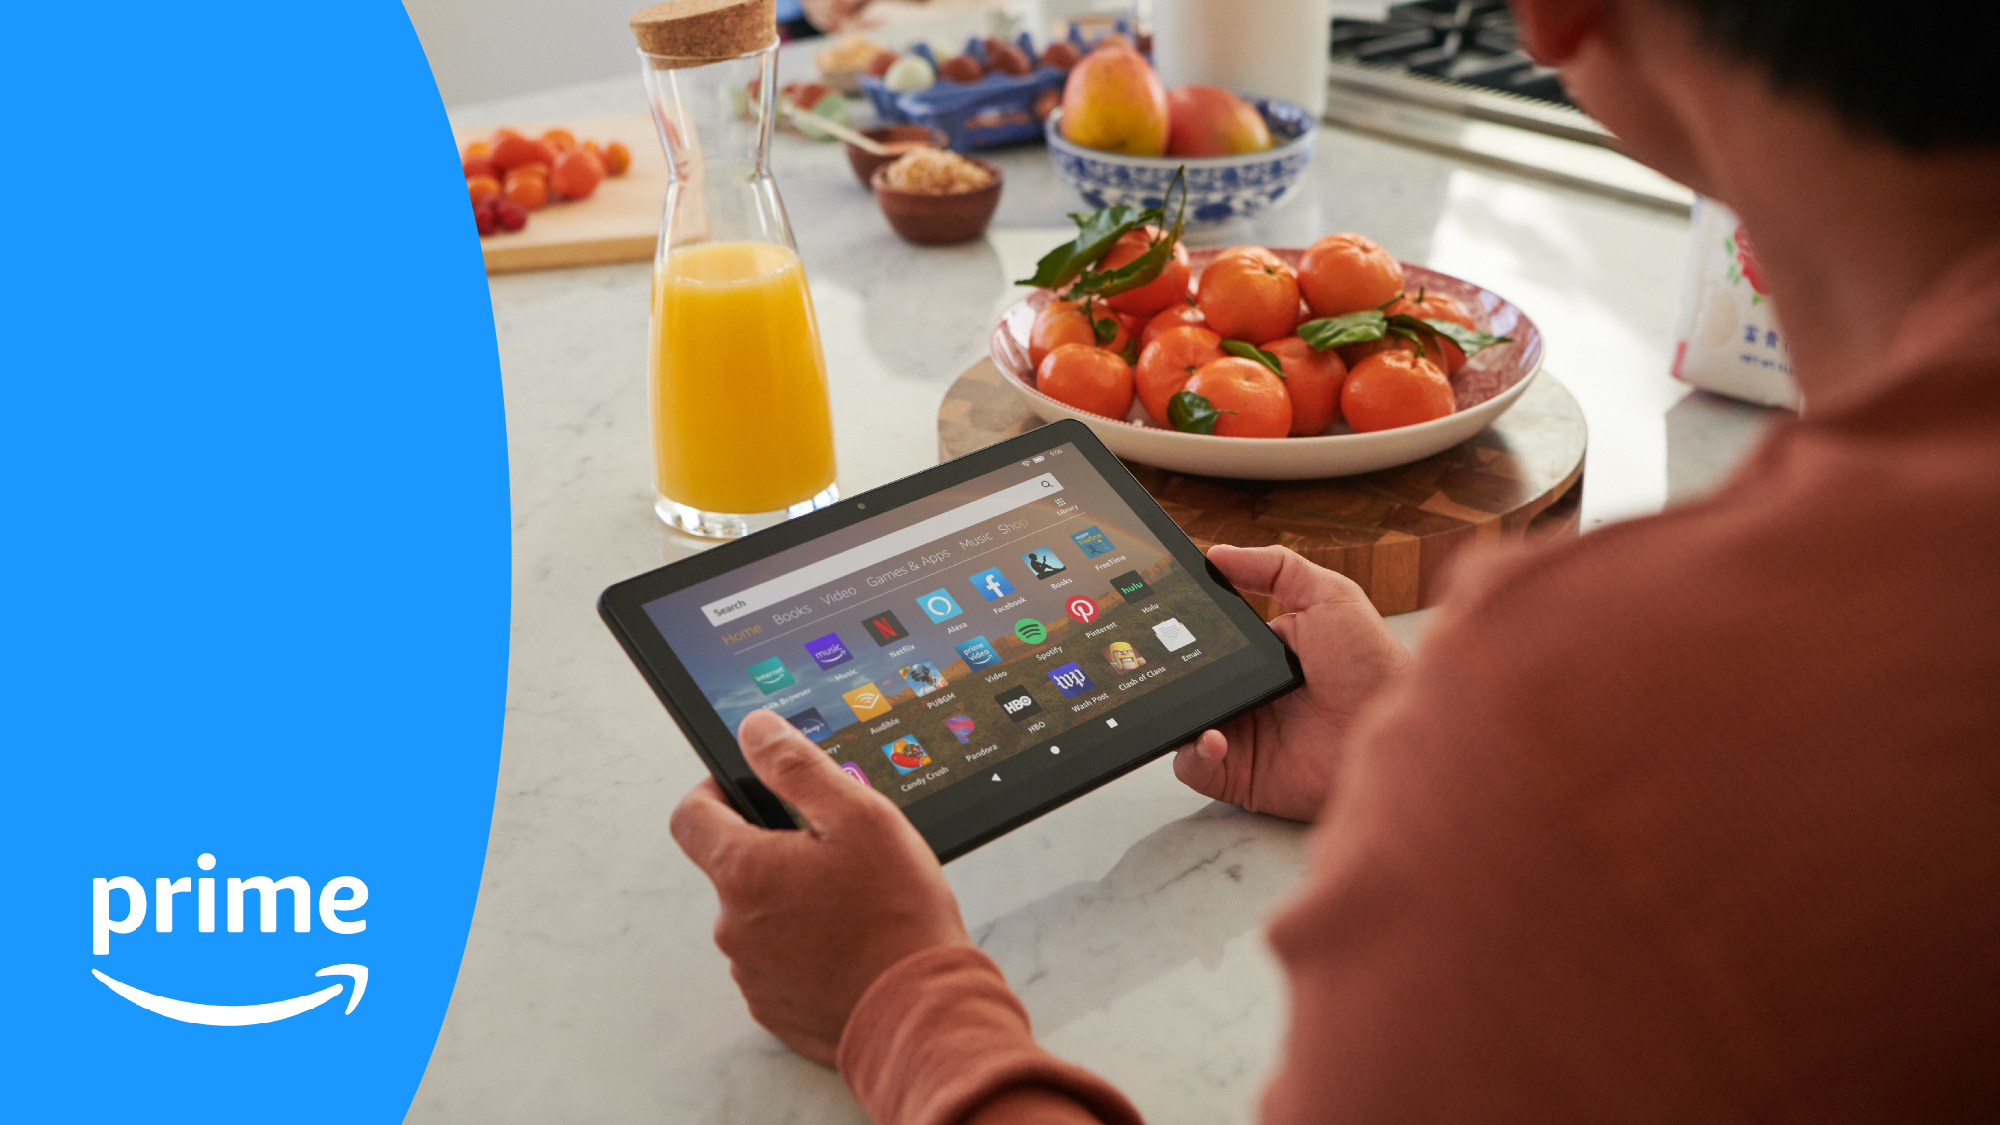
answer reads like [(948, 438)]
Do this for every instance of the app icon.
[(885, 628), (977, 653), (1123, 656), (992, 584), (961, 726), (867, 701), (1031, 631), (1017, 703), (810, 723), (923, 676), (827, 651), (938, 606), (1173, 634), (1081, 608), (857, 773), (1092, 542), (770, 675), (1070, 680), (1130, 586), (906, 754), (1043, 563)]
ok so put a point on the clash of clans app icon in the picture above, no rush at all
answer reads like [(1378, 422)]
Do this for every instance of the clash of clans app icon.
[(1122, 656), (906, 754)]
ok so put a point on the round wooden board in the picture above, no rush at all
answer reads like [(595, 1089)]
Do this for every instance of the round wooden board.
[(1391, 531)]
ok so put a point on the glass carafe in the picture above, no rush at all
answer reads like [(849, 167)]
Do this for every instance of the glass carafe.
[(742, 435)]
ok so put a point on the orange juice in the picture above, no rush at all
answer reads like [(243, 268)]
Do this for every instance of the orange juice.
[(738, 384)]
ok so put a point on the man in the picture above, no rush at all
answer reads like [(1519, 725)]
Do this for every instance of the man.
[(1696, 818)]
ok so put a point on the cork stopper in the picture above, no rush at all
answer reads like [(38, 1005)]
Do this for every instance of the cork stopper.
[(692, 32)]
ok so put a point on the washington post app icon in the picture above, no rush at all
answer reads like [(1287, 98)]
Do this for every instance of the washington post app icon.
[(1071, 680)]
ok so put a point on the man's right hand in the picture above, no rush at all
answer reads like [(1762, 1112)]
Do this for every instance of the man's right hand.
[(1282, 758)]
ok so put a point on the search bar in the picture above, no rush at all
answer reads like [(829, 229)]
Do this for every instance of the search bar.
[(833, 567)]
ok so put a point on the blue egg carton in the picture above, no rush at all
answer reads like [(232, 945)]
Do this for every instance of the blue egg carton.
[(997, 110)]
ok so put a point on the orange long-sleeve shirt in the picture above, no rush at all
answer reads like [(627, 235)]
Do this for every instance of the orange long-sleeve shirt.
[(1696, 818)]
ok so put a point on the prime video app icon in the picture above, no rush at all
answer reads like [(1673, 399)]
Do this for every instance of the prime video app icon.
[(977, 653)]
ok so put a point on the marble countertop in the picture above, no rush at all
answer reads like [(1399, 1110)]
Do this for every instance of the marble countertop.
[(1128, 920)]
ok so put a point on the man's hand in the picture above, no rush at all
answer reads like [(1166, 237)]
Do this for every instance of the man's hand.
[(1281, 758), (810, 918), (831, 15)]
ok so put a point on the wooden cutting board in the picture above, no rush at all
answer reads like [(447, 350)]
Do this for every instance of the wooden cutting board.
[(620, 222), (1390, 531)]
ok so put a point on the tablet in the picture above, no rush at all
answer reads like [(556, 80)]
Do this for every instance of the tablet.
[(980, 642)]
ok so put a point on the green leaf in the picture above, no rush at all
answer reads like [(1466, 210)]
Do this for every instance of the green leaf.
[(1190, 413), (1094, 235), (1350, 328), (1470, 341), (1104, 327), (1143, 269), (1252, 351)]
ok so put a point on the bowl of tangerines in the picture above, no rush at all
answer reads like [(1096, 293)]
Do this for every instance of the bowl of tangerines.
[(1258, 362)]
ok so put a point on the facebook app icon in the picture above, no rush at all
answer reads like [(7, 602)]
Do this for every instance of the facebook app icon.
[(992, 584)]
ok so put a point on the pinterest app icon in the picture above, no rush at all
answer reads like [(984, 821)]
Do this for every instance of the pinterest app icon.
[(1083, 609)]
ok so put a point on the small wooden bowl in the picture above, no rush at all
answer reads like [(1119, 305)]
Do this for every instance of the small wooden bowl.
[(864, 162), (937, 220)]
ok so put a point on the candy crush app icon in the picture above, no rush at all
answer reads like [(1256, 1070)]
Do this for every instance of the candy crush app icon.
[(961, 727), (906, 754), (867, 701), (1092, 542), (1071, 680), (854, 770), (923, 677), (828, 652), (770, 675), (977, 653)]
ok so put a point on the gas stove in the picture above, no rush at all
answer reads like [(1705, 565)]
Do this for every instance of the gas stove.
[(1451, 75)]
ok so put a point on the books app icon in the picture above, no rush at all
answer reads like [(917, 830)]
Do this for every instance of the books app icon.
[(1043, 563)]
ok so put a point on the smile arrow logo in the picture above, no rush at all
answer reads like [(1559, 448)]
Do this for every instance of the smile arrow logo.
[(239, 1015)]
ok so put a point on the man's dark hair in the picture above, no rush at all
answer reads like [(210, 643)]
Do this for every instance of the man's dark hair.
[(1920, 73)]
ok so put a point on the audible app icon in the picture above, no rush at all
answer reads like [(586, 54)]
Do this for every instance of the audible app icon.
[(867, 701)]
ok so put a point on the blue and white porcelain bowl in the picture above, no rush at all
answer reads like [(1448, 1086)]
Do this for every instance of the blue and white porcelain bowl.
[(1220, 188)]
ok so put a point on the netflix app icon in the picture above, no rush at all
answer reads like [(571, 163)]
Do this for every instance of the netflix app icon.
[(885, 628)]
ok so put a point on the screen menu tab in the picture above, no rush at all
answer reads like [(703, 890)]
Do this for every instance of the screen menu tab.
[(931, 644)]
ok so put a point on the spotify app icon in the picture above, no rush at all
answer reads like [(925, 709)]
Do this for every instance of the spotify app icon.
[(1031, 631)]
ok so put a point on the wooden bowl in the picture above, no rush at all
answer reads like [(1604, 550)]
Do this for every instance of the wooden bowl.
[(864, 162), (1484, 388), (937, 220)]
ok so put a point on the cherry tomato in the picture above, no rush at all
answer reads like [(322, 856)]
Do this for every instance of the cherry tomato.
[(576, 174), (1087, 378), (481, 188), (480, 166), (528, 190), (1394, 388), (511, 150), (1169, 362), (559, 139), (617, 158), (1256, 401), (1313, 379)]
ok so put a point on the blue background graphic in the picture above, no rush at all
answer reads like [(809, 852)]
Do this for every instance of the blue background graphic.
[(256, 572)]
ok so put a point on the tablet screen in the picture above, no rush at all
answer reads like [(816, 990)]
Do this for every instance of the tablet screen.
[(963, 637)]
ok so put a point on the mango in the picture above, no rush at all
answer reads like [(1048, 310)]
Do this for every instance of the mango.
[(1211, 121), (1114, 102)]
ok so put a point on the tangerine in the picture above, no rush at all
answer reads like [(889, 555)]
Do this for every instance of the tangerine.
[(1181, 313), (1313, 380), (1087, 378), (576, 173), (511, 150), (1250, 297), (1158, 293), (1344, 273), (559, 139), (617, 158), (1066, 322), (1438, 348), (1394, 388), (1426, 305), (527, 189), (1255, 401), (1169, 361), (481, 188)]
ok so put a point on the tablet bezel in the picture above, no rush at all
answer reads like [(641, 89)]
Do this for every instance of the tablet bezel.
[(957, 819)]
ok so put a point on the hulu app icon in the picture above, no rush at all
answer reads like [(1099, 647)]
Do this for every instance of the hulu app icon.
[(770, 675)]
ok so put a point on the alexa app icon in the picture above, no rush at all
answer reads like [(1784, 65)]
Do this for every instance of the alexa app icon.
[(770, 675), (991, 584), (938, 606), (977, 653)]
